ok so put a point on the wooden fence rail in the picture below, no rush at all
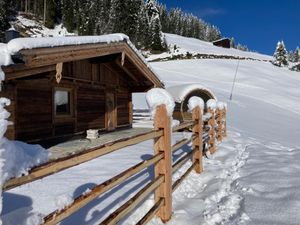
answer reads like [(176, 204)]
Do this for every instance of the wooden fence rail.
[(206, 130)]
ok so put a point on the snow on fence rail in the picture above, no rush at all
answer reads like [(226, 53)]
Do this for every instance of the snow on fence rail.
[(206, 130)]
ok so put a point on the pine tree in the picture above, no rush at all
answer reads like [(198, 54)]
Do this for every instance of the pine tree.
[(101, 14), (280, 55), (7, 10), (68, 15), (3, 18), (144, 32), (297, 55), (157, 41), (50, 13)]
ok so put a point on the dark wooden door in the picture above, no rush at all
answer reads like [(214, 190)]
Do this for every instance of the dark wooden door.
[(111, 119)]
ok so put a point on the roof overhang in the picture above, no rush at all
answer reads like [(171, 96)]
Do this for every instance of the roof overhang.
[(122, 54)]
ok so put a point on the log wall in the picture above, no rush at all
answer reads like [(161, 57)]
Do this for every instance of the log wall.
[(32, 108)]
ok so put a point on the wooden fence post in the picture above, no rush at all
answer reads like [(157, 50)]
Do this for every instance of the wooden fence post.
[(212, 133), (197, 140), (164, 167), (224, 131), (219, 124)]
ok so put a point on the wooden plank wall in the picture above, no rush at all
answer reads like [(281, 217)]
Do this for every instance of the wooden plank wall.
[(34, 117), (34, 110), (122, 108), (90, 107)]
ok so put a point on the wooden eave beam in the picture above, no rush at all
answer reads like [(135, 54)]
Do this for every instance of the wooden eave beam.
[(127, 71), (49, 56), (19, 71), (142, 67)]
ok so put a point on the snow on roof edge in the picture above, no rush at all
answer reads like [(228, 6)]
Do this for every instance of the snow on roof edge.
[(15, 45)]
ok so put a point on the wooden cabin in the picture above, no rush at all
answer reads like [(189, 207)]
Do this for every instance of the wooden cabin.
[(61, 89), (182, 94), (224, 42)]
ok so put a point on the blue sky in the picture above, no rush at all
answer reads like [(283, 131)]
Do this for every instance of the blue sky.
[(257, 24)]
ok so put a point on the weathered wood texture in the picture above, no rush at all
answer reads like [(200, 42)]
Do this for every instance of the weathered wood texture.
[(73, 160), (163, 144), (151, 213), (123, 108), (34, 110), (33, 100), (211, 132), (197, 141), (96, 191), (90, 107)]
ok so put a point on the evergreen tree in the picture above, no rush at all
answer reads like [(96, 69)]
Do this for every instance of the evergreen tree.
[(280, 55), (144, 32), (157, 42), (50, 13), (68, 15), (297, 55), (101, 15), (291, 56), (7, 11), (3, 18)]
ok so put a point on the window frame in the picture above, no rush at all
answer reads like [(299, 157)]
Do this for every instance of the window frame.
[(71, 102)]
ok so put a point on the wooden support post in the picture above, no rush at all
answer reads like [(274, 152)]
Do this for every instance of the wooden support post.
[(197, 141), (224, 132), (211, 132), (164, 167), (219, 124)]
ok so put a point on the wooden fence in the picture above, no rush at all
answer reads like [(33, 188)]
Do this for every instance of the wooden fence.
[(206, 130)]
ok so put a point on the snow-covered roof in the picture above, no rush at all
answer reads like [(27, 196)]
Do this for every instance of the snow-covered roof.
[(179, 92), (18, 44)]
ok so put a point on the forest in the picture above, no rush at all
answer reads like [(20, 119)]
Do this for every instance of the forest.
[(143, 21)]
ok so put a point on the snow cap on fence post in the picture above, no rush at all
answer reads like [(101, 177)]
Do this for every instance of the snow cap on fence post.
[(221, 105), (195, 101), (159, 96), (212, 104)]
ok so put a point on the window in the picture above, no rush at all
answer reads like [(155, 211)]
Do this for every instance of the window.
[(62, 102)]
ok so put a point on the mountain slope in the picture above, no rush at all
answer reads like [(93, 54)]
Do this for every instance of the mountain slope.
[(191, 45), (257, 181)]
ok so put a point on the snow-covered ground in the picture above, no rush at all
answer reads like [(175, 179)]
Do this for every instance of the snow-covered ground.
[(253, 178), (193, 46), (35, 28)]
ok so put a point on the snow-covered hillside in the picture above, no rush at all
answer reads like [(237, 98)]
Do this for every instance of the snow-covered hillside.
[(35, 28), (253, 178), (256, 169), (193, 46)]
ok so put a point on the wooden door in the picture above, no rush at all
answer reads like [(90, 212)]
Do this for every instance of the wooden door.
[(111, 119)]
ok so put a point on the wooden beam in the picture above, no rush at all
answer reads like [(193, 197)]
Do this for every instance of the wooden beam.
[(104, 59), (142, 67), (179, 181), (128, 206), (180, 143), (50, 56), (162, 122), (212, 132), (58, 215), (19, 71), (151, 213), (182, 161), (183, 125), (197, 141), (70, 161), (129, 73)]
